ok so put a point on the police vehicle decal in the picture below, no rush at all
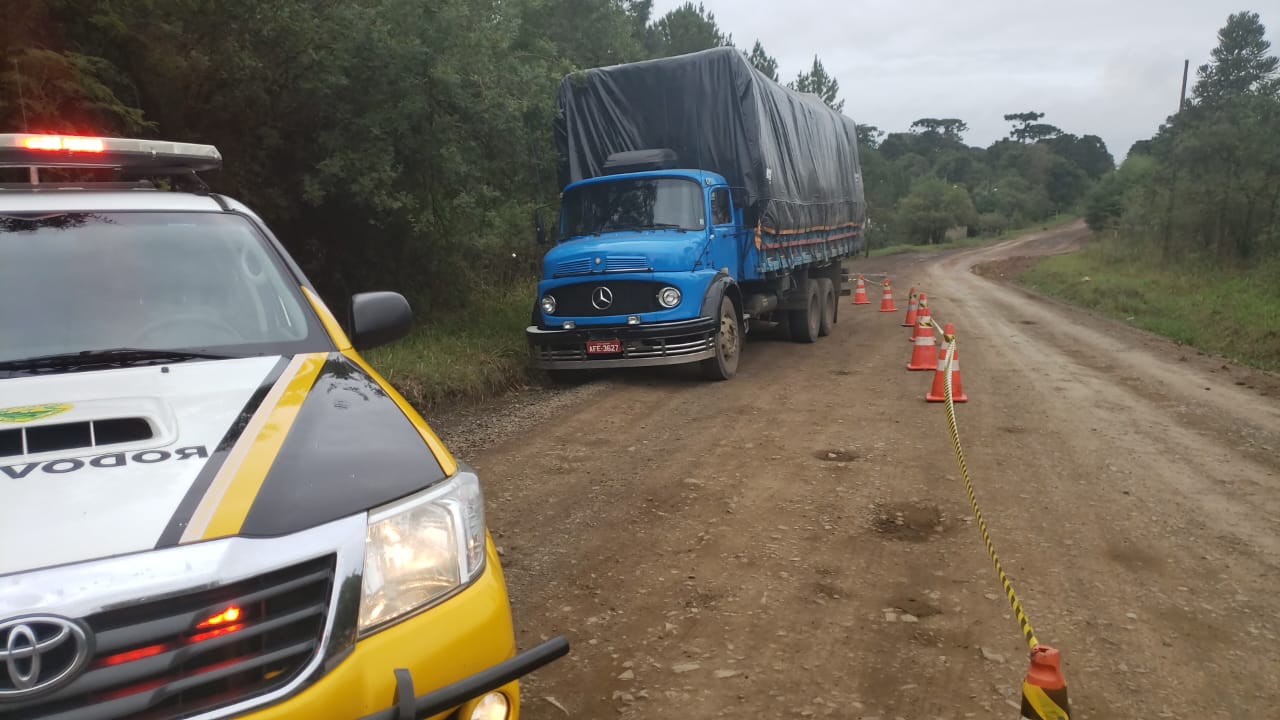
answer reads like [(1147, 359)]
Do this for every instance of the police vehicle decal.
[(94, 502)]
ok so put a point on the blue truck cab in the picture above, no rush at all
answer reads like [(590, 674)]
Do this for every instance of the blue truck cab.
[(645, 260), (699, 199)]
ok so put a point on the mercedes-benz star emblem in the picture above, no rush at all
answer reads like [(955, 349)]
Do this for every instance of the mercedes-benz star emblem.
[(601, 298), (38, 652)]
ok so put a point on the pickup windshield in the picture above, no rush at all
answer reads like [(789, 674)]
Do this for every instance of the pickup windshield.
[(129, 286), (633, 204)]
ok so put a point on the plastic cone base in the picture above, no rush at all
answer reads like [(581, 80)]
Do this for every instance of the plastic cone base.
[(1044, 690)]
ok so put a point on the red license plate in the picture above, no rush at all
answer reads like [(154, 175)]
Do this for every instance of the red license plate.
[(604, 347)]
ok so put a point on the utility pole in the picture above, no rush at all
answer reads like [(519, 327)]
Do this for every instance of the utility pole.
[(1182, 101)]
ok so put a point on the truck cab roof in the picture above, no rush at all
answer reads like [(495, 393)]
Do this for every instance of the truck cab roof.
[(698, 176)]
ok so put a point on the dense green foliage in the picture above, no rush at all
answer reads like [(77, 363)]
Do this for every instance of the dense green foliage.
[(1206, 188), (927, 184)]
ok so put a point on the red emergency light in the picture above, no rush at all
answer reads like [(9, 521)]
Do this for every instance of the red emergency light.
[(72, 143)]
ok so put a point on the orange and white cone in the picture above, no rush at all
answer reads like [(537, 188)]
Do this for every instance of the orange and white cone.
[(913, 304), (924, 352), (886, 302), (938, 393), (922, 311), (948, 333), (860, 293)]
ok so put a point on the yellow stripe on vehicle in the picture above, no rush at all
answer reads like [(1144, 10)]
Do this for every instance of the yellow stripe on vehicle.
[(226, 504), (327, 319), (447, 462)]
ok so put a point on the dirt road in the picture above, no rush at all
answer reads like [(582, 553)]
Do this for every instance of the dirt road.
[(795, 543)]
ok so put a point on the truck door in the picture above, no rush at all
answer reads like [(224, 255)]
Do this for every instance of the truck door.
[(723, 246)]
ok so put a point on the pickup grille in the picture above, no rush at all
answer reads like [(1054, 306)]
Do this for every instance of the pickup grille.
[(629, 298), (152, 661)]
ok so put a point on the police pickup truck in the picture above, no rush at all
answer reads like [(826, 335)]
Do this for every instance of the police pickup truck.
[(212, 506)]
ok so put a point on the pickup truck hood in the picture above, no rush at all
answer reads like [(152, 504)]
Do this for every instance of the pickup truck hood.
[(659, 251), (192, 451)]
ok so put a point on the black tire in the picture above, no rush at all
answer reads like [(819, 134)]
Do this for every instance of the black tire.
[(804, 323), (728, 341), (827, 291)]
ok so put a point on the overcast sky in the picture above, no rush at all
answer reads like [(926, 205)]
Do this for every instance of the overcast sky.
[(1105, 67)]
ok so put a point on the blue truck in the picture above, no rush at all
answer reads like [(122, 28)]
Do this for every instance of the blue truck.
[(699, 197)]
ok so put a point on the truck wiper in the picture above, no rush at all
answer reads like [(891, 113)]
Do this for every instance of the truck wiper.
[(113, 356), (650, 226)]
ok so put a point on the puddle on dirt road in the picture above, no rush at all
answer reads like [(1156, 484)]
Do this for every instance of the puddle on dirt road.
[(838, 455), (912, 522)]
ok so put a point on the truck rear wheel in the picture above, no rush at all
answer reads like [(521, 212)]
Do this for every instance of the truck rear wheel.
[(728, 341), (827, 290), (804, 323)]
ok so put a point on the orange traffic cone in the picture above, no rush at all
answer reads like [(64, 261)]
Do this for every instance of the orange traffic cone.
[(922, 311), (913, 305), (860, 294), (1044, 690), (924, 355), (948, 334), (938, 393), (886, 302)]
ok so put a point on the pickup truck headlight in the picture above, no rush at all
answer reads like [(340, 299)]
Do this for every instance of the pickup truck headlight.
[(419, 550), (549, 304)]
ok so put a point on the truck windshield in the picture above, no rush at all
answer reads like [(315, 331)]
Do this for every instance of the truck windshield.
[(633, 204), (124, 284)]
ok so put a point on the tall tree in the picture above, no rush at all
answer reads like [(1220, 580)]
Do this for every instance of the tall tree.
[(1028, 128), (949, 128), (764, 62), (688, 28), (869, 136), (818, 82), (1240, 64)]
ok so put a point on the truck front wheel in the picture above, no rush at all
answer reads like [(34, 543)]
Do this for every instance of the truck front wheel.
[(728, 341)]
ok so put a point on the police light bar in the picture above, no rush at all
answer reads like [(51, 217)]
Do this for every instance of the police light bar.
[(157, 157)]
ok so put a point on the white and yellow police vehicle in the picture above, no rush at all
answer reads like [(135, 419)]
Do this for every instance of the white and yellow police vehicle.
[(210, 505)]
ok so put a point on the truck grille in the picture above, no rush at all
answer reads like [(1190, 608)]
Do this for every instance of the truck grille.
[(629, 298), (163, 659), (612, 264)]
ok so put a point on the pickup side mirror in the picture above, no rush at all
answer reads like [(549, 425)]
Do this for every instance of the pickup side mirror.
[(539, 227), (378, 318)]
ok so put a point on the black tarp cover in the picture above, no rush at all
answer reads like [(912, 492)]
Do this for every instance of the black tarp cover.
[(796, 158)]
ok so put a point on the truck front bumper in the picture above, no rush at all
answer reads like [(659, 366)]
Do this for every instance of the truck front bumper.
[(669, 343)]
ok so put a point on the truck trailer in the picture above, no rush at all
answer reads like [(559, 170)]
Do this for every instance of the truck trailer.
[(699, 197)]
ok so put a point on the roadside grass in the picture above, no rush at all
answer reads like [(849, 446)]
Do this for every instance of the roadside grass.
[(1230, 312), (1049, 223), (464, 355)]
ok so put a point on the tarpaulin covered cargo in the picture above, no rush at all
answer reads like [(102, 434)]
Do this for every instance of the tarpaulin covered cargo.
[(796, 158)]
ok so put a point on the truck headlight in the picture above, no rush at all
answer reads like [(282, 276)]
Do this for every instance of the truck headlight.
[(669, 297), (549, 304), (419, 550)]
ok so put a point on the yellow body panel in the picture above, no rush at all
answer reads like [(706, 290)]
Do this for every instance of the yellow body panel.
[(462, 636), (327, 319)]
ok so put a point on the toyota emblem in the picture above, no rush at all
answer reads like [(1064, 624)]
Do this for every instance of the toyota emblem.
[(39, 652), (601, 298)]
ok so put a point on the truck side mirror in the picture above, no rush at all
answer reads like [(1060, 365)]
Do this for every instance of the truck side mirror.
[(378, 318), (539, 228)]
